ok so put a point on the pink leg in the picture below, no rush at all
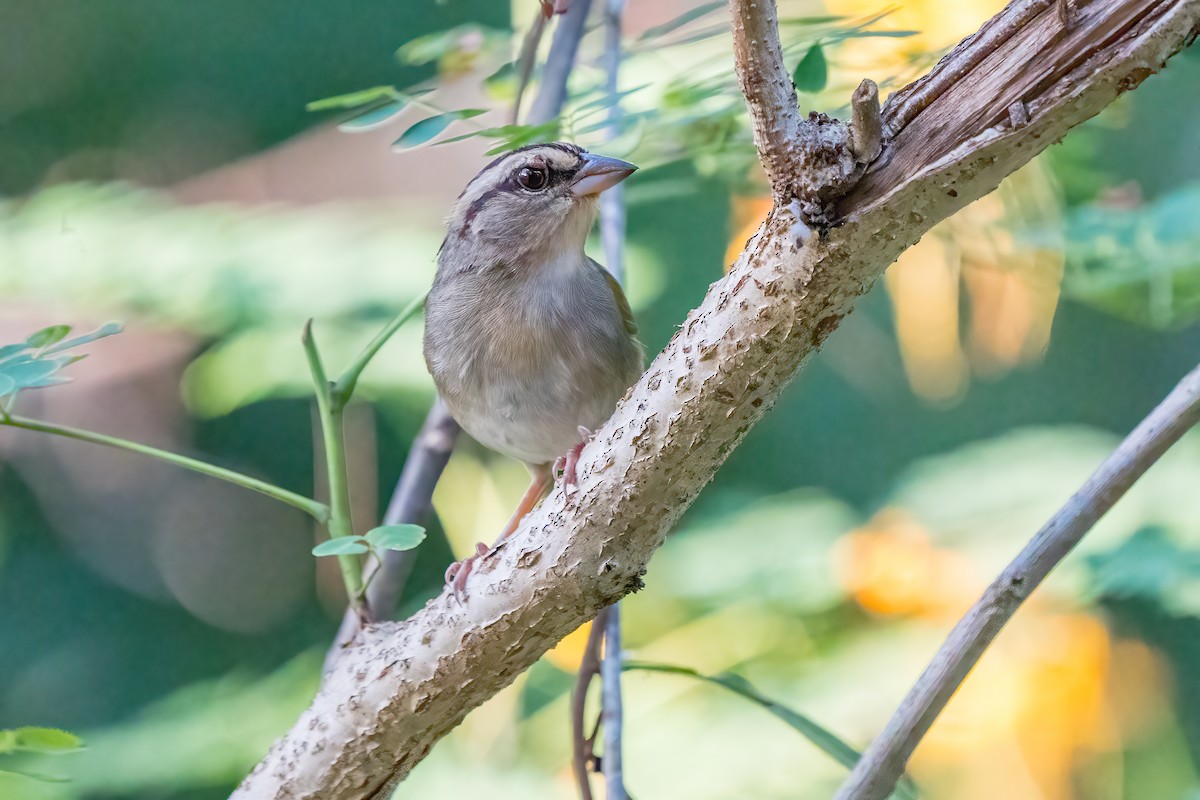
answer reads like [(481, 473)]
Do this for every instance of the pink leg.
[(458, 572), (566, 464)]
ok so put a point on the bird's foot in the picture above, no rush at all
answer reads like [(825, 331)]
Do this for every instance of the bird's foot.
[(565, 465), (458, 572), (552, 7)]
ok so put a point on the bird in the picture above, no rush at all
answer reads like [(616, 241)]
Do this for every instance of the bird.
[(530, 342)]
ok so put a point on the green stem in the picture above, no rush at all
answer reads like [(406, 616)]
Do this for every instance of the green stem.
[(332, 431), (319, 511), (344, 388)]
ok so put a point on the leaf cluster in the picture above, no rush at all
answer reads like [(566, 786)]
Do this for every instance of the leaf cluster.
[(385, 537), (36, 362)]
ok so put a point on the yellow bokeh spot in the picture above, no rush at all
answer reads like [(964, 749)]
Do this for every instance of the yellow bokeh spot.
[(891, 567)]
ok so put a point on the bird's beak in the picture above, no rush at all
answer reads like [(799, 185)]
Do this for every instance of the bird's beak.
[(599, 173)]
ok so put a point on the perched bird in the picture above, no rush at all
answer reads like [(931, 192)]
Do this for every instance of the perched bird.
[(530, 342)]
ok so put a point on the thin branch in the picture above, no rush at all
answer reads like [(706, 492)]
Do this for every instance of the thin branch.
[(612, 236), (883, 762), (332, 430), (552, 94), (582, 753), (770, 94), (316, 510), (526, 60), (343, 390), (612, 707)]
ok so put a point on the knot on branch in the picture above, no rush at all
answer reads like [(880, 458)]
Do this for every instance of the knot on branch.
[(831, 156), (825, 170)]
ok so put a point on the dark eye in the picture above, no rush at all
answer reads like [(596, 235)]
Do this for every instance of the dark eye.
[(533, 179)]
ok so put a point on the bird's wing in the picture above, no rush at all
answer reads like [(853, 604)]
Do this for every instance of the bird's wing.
[(631, 326)]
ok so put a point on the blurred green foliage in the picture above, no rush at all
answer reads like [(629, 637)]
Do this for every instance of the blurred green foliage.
[(823, 565)]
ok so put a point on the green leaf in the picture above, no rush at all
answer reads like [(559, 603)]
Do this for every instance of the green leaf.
[(48, 336), (25, 373), (10, 350), (421, 132), (812, 72), (353, 99), (47, 741), (690, 15), (33, 776), (341, 546), (369, 120), (826, 741), (107, 329), (7, 385), (396, 537)]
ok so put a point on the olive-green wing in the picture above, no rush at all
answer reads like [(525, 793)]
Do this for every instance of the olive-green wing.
[(627, 319)]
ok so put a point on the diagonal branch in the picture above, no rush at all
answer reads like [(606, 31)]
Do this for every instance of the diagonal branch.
[(404, 685), (883, 762)]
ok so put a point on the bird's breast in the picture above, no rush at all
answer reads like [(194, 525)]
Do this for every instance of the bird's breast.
[(522, 360)]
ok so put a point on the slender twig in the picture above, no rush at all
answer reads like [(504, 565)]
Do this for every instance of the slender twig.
[(332, 430), (612, 708), (552, 94), (344, 388), (612, 236), (882, 763), (318, 511), (582, 754), (526, 60)]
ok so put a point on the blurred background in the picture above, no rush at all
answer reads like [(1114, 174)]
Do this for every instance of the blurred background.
[(160, 167)]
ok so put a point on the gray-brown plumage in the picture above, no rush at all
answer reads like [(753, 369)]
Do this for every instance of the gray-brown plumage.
[(528, 339)]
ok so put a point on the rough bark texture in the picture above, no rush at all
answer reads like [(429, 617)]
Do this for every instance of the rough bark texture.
[(391, 697)]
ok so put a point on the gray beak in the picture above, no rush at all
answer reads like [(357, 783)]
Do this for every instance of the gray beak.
[(599, 173)]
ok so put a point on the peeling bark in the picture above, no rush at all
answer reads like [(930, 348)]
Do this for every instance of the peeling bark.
[(406, 684)]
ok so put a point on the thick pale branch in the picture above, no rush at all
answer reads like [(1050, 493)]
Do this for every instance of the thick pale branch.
[(405, 685), (882, 764)]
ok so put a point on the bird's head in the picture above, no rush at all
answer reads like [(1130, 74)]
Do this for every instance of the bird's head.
[(536, 201)]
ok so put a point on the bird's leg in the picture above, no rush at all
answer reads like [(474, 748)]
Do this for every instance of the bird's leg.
[(458, 572), (566, 464)]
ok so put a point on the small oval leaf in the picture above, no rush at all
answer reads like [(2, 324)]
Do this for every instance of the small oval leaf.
[(107, 329), (27, 373), (396, 537), (812, 72), (45, 740), (341, 546), (48, 336), (421, 132), (359, 98), (374, 118)]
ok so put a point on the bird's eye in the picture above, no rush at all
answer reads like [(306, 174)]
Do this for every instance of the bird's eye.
[(532, 178)]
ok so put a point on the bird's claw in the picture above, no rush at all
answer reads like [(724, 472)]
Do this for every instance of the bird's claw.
[(566, 465), (458, 572), (552, 7)]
